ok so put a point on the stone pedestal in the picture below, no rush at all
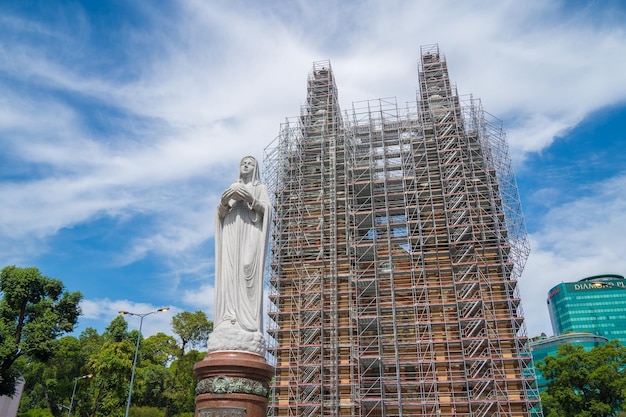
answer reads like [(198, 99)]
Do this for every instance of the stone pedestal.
[(232, 384)]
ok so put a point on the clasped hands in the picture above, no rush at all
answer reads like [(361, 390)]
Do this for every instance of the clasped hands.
[(237, 192)]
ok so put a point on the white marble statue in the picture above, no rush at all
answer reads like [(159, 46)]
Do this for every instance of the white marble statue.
[(241, 233)]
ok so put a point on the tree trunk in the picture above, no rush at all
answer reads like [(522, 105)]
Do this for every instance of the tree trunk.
[(47, 397)]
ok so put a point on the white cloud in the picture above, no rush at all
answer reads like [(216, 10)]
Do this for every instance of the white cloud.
[(228, 77), (202, 297)]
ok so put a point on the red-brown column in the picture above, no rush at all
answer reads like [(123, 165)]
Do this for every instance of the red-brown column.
[(232, 384)]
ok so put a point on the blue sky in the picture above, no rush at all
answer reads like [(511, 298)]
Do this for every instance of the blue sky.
[(122, 122)]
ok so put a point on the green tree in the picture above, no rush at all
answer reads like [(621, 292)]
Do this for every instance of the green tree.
[(50, 383), (153, 374), (159, 349), (151, 382), (192, 329), (35, 311), (584, 383), (117, 330), (111, 367), (36, 412), (90, 342), (184, 396)]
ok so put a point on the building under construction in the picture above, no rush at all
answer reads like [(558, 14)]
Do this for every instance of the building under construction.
[(397, 243)]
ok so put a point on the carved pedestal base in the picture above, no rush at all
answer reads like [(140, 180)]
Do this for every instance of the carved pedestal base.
[(232, 384)]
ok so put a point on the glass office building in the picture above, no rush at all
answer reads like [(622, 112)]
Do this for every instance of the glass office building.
[(595, 305)]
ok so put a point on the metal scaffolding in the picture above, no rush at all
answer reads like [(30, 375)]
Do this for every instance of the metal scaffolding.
[(397, 243)]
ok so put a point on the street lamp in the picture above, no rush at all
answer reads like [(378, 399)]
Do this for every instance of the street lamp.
[(69, 409), (132, 375)]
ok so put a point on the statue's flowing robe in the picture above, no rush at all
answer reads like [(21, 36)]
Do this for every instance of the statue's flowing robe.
[(241, 238)]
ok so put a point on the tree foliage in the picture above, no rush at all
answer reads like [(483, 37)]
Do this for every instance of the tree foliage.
[(164, 379), (183, 393), (160, 349), (48, 383), (35, 311), (111, 367), (193, 330), (584, 383)]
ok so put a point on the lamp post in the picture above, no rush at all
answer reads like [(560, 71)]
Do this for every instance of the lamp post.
[(132, 375), (69, 409)]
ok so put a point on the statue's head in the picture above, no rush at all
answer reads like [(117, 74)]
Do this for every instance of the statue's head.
[(248, 169)]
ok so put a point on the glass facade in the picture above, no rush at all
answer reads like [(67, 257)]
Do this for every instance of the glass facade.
[(595, 305)]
